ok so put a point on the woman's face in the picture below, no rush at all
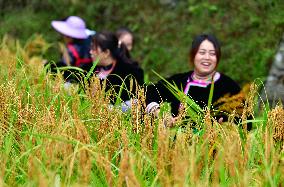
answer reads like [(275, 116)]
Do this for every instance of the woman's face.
[(205, 60), (127, 39), (98, 53)]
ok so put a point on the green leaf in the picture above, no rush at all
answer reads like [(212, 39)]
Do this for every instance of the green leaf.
[(194, 111), (92, 69)]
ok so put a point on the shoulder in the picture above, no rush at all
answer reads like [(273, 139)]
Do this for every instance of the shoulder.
[(125, 70), (180, 77), (125, 67), (177, 79), (226, 79), (228, 83)]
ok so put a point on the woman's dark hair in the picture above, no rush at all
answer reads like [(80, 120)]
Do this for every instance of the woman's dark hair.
[(123, 30), (198, 40), (107, 40)]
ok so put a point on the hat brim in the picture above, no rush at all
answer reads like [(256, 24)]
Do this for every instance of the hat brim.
[(65, 29)]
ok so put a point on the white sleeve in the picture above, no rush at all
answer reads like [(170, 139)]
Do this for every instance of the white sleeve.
[(151, 107)]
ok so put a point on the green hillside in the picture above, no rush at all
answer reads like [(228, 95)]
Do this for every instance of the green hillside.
[(250, 31)]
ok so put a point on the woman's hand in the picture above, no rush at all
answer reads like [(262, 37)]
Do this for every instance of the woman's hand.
[(170, 121), (220, 120)]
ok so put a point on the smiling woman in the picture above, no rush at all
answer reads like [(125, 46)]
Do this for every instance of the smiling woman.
[(204, 55), (205, 60)]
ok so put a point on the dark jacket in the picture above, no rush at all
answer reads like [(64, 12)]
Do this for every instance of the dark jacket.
[(160, 93), (123, 73), (79, 56)]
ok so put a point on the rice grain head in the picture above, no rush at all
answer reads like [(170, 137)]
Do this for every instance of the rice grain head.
[(276, 122)]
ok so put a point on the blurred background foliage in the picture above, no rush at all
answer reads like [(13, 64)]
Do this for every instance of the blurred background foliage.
[(250, 31)]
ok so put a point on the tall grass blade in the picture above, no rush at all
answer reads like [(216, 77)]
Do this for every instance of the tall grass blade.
[(211, 94), (194, 111), (91, 70)]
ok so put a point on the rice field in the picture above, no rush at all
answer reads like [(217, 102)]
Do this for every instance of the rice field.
[(51, 136)]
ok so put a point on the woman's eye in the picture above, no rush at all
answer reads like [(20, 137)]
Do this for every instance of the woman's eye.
[(212, 54), (201, 52)]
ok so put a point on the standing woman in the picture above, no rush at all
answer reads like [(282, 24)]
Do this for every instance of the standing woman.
[(114, 66), (204, 55)]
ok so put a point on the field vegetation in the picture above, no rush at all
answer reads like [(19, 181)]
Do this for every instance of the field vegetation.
[(51, 136)]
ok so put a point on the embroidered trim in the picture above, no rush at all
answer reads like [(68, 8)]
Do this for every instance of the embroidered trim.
[(203, 84)]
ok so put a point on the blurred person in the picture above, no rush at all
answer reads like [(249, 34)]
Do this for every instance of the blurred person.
[(75, 52), (114, 66), (126, 37)]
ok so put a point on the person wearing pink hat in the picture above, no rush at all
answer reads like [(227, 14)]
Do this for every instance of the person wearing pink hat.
[(77, 39)]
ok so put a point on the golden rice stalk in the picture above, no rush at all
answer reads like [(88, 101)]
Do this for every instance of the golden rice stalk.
[(276, 122), (8, 58), (26, 114), (138, 105), (239, 102), (104, 162), (180, 163), (126, 174), (34, 172), (249, 104), (181, 113), (148, 123), (164, 153), (36, 46), (9, 101), (4, 107), (148, 134), (64, 53), (210, 134), (83, 136), (30, 54)]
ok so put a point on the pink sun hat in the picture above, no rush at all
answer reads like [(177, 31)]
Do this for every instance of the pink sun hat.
[(73, 26)]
